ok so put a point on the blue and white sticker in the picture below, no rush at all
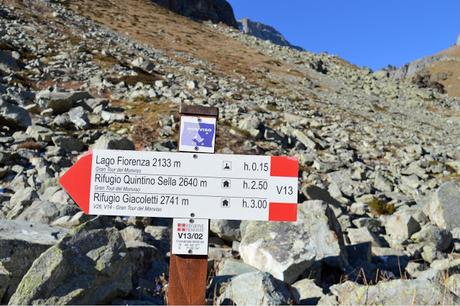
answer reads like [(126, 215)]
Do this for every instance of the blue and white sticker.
[(197, 134)]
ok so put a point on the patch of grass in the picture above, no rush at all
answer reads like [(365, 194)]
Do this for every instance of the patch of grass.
[(271, 107), (379, 207), (104, 61), (145, 129), (379, 108)]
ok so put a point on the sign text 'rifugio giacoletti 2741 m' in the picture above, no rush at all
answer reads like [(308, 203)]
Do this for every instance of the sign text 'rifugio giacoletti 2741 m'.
[(184, 185)]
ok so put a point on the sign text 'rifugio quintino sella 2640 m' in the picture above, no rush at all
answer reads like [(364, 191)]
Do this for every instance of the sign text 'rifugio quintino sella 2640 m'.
[(184, 185)]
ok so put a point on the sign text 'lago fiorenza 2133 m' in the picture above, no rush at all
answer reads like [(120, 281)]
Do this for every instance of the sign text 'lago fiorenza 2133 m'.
[(184, 185)]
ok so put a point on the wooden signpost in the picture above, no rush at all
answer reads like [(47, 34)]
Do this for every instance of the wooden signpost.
[(191, 186), (188, 273)]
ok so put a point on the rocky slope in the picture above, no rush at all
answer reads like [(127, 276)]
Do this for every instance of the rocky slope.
[(379, 162)]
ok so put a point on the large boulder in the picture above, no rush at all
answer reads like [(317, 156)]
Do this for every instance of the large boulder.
[(20, 244), (112, 141), (309, 293), (21, 199), (68, 144), (60, 102), (395, 292), (287, 249), (431, 234), (88, 266), (226, 229), (444, 208), (47, 211), (441, 269), (401, 225), (256, 288), (14, 116), (232, 267)]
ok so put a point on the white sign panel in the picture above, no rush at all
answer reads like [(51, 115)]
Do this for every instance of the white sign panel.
[(186, 185), (197, 134), (190, 236)]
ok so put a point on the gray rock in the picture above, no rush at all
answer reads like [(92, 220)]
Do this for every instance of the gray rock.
[(363, 234), (411, 181), (401, 225), (227, 229), (46, 212), (429, 252), (395, 292), (39, 133), (255, 288), (304, 139), (14, 116), (113, 117), (309, 293), (453, 284), (456, 236), (441, 269), (382, 183), (20, 201), (144, 64), (430, 234), (88, 266), (72, 221), (444, 209), (111, 141), (250, 124), (191, 85), (287, 249), (341, 181), (141, 256), (230, 266), (132, 234), (60, 102), (79, 117), (20, 244), (5, 277), (68, 143), (8, 60)]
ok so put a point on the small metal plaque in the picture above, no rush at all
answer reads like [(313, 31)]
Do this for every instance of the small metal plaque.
[(190, 236)]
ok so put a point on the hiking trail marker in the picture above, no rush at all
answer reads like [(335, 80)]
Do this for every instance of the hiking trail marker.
[(184, 185), (189, 187)]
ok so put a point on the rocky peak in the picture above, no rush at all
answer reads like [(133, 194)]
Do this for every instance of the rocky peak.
[(264, 32), (212, 10)]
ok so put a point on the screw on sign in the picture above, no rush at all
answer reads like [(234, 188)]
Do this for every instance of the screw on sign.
[(191, 187)]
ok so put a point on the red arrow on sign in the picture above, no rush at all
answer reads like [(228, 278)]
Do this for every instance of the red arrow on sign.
[(77, 181)]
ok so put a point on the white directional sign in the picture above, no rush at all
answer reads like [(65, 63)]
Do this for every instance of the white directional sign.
[(185, 185)]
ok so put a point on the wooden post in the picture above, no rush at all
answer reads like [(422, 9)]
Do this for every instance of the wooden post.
[(188, 273)]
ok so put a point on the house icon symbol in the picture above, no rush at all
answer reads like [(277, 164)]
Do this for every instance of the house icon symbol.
[(225, 184), (225, 203)]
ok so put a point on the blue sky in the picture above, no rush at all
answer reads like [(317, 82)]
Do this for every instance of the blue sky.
[(364, 32)]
